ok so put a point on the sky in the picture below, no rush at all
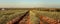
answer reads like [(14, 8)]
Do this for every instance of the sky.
[(29, 3)]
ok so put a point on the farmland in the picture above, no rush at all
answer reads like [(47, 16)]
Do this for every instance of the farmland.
[(9, 14), (48, 17)]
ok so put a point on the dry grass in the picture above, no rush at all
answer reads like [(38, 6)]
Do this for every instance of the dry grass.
[(7, 15)]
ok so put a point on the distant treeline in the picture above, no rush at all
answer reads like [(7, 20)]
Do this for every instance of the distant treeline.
[(40, 9)]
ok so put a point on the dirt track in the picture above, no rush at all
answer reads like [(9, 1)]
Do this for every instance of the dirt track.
[(49, 20), (25, 20), (19, 20)]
